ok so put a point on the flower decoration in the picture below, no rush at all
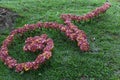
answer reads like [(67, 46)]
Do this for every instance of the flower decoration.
[(46, 44)]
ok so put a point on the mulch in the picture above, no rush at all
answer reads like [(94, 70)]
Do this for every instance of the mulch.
[(7, 19)]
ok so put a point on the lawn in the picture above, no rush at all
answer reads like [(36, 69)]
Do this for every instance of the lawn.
[(102, 62)]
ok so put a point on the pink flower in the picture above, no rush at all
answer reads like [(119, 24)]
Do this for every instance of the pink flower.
[(46, 44)]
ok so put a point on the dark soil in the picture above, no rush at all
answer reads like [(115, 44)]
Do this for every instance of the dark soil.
[(7, 19)]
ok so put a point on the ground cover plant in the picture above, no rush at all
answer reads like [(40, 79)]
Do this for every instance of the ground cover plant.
[(70, 62)]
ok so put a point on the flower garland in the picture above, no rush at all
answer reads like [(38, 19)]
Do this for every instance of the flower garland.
[(68, 17), (46, 44)]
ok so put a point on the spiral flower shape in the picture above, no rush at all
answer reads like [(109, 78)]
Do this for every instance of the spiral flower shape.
[(46, 44)]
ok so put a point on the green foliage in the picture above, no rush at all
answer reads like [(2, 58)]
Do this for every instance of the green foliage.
[(102, 62)]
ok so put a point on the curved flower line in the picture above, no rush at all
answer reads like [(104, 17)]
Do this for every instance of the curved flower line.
[(46, 44)]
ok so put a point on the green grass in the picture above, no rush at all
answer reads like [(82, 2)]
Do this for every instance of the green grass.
[(67, 62)]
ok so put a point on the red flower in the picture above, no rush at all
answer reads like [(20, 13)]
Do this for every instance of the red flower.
[(46, 44)]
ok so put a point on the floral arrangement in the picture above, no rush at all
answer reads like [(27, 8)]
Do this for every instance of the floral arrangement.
[(46, 44), (68, 17)]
